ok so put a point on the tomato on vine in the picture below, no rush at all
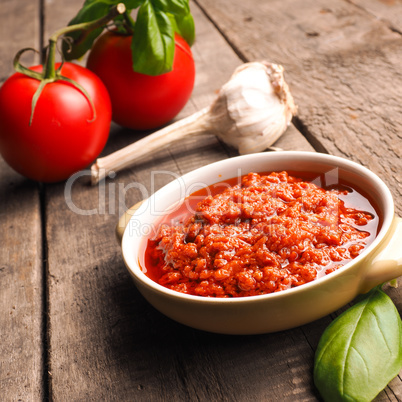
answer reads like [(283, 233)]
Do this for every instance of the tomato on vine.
[(54, 118), (146, 64)]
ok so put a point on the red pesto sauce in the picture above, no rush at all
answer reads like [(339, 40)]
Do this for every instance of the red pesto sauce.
[(259, 234)]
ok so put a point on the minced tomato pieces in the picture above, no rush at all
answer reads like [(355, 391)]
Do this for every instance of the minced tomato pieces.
[(269, 233)]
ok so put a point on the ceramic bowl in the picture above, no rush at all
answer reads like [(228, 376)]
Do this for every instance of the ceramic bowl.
[(380, 262)]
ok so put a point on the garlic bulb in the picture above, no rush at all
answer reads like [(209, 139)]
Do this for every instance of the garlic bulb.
[(251, 111), (254, 108)]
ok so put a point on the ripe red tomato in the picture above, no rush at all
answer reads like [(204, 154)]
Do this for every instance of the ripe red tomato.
[(141, 101), (64, 136)]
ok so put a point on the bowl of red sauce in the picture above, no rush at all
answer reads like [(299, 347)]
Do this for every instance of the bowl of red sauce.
[(262, 243)]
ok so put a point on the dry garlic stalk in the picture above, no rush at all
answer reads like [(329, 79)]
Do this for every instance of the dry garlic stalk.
[(251, 111)]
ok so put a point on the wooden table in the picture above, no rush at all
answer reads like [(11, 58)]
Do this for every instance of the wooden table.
[(73, 327)]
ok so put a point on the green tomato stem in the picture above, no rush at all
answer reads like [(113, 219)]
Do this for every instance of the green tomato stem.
[(50, 74), (85, 27), (128, 23)]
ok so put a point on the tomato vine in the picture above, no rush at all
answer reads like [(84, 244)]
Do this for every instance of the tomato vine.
[(49, 73)]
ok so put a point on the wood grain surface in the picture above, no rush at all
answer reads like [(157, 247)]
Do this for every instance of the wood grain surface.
[(389, 11), (21, 269)]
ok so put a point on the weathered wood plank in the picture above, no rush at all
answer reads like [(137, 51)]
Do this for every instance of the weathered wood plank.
[(389, 11), (21, 298), (21, 304), (19, 28)]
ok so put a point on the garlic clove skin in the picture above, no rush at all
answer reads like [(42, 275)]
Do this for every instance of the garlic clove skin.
[(254, 108)]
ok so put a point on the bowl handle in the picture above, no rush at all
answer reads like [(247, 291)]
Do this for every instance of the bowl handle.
[(386, 263), (124, 219)]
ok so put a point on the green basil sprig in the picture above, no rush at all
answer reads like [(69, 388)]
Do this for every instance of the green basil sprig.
[(360, 351), (153, 31)]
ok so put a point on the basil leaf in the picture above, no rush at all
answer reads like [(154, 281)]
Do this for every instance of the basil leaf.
[(131, 4), (153, 41), (360, 351), (177, 7), (184, 26), (90, 11)]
